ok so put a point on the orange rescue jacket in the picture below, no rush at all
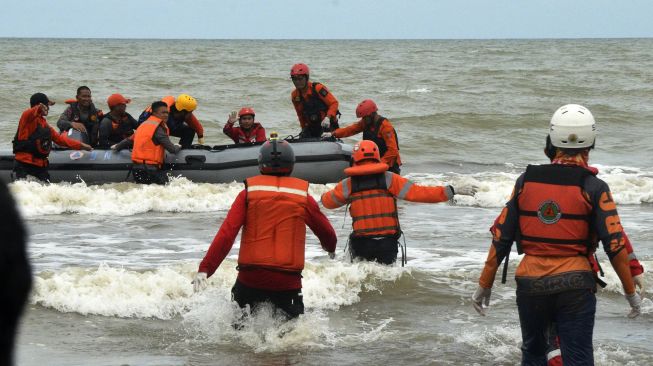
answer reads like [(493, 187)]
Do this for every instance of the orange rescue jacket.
[(372, 191), (554, 214), (145, 151), (274, 235)]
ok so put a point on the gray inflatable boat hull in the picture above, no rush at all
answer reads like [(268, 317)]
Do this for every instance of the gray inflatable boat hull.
[(316, 161)]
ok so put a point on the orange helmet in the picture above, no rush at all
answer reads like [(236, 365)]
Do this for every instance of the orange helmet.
[(366, 108), (246, 111), (299, 69), (366, 150)]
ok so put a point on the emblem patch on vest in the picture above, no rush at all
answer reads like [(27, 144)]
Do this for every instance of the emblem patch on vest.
[(549, 212)]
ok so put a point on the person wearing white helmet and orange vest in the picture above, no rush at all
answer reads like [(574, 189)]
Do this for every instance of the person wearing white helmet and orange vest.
[(374, 128), (181, 120), (313, 103), (372, 191), (557, 214), (150, 142), (274, 210), (248, 130)]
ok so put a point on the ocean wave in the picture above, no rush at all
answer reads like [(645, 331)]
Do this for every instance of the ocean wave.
[(166, 292), (631, 186)]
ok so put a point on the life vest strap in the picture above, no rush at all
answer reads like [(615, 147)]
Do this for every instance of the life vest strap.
[(374, 216), (555, 241), (383, 228), (373, 195), (562, 216)]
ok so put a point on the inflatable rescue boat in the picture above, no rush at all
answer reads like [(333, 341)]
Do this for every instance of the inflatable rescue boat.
[(317, 161)]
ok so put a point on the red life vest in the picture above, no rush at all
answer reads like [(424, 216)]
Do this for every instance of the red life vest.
[(145, 150), (274, 235), (554, 212), (373, 208)]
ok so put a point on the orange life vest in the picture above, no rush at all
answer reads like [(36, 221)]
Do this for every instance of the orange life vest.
[(554, 212), (145, 150), (373, 208), (274, 235)]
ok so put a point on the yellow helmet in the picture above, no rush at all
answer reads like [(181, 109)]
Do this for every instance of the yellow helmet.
[(185, 102)]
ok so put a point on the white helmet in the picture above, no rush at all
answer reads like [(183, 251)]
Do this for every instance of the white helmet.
[(572, 127)]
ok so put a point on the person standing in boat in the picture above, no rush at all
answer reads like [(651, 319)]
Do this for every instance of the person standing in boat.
[(181, 120), (81, 115), (557, 214), (274, 210), (150, 142), (372, 192), (374, 128), (116, 125), (33, 140), (313, 103), (248, 130)]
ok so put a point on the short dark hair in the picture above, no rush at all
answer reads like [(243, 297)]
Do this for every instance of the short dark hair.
[(83, 87), (158, 104)]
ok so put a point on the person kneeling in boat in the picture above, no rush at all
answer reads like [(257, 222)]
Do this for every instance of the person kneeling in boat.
[(150, 142), (81, 115), (557, 214), (372, 191), (375, 128), (116, 125), (181, 120), (33, 140), (273, 210), (248, 130)]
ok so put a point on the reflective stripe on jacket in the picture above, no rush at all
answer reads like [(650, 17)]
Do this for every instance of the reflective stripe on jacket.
[(145, 151), (274, 235)]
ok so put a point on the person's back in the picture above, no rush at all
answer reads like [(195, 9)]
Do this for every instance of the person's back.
[(557, 214), (273, 210), (372, 191)]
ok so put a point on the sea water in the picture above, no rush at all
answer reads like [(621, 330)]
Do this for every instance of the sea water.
[(113, 263)]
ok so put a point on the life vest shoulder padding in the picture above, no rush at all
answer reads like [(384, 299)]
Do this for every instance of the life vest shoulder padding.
[(366, 169), (274, 235)]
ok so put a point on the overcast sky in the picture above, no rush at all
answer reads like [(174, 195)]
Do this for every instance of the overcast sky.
[(327, 19)]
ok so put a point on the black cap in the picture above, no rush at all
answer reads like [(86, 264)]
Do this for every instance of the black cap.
[(39, 98)]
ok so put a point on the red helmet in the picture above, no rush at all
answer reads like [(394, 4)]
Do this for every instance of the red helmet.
[(246, 111), (366, 108), (299, 69), (366, 150)]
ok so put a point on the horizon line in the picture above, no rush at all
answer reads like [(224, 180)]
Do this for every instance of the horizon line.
[(330, 39)]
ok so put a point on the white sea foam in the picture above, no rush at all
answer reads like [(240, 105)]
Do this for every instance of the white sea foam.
[(629, 186), (166, 292)]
